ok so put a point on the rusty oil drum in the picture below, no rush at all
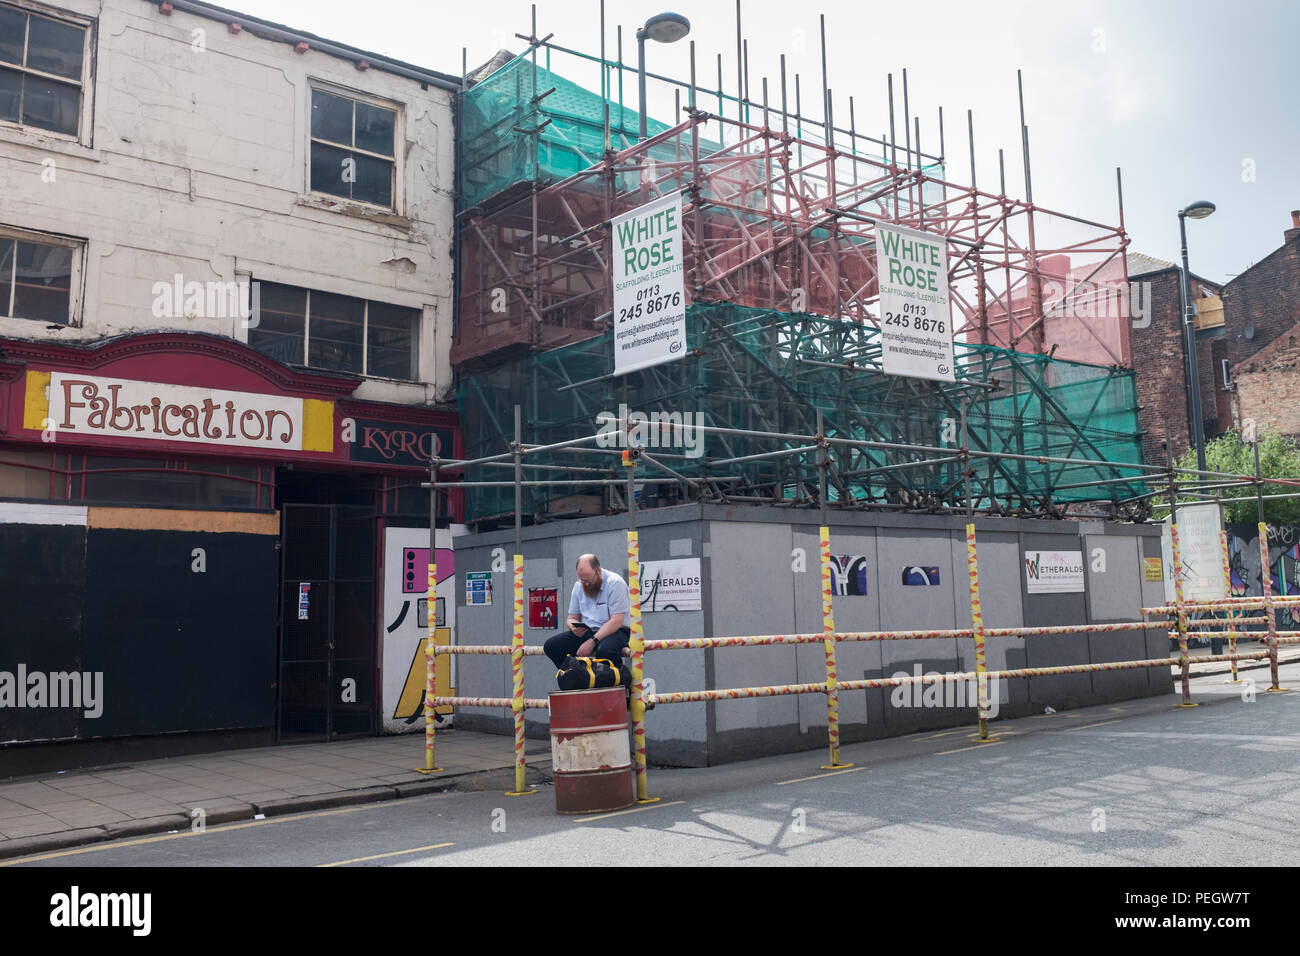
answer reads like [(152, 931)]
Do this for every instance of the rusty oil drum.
[(589, 750)]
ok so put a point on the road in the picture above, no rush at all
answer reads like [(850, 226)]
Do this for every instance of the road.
[(1141, 783)]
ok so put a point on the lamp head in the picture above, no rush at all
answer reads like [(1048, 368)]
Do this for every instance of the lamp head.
[(1198, 210), (665, 28)]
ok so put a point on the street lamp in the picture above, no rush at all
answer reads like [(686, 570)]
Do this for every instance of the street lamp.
[(662, 28), (1197, 210)]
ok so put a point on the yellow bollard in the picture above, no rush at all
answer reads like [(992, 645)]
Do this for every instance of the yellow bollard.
[(636, 644), (832, 683), (430, 663), (517, 674), (1227, 584), (977, 632), (1269, 609), (1177, 572)]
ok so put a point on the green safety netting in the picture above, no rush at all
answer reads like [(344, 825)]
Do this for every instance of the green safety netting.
[(526, 123), (767, 371)]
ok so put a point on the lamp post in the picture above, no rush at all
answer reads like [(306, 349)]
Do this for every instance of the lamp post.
[(1197, 210), (662, 28)]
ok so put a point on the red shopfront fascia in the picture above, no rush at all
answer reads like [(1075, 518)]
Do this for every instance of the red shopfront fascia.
[(192, 395)]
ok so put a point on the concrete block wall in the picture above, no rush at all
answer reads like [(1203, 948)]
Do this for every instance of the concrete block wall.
[(752, 585)]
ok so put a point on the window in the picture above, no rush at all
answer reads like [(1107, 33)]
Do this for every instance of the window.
[(36, 279), (335, 332), (40, 71), (51, 476), (352, 149)]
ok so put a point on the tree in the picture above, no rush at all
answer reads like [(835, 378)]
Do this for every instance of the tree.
[(1279, 457)]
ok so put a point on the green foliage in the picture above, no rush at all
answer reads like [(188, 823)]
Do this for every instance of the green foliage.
[(1279, 457)]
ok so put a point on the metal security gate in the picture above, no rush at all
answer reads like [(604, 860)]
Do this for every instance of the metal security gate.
[(327, 622)]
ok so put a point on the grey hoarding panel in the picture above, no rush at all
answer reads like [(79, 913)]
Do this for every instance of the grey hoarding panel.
[(1045, 610), (1000, 562), (750, 588)]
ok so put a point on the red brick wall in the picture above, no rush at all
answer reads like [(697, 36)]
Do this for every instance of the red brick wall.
[(1268, 385), (1158, 361), (1268, 296)]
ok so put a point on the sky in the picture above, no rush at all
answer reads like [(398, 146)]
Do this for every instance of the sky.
[(1190, 100)]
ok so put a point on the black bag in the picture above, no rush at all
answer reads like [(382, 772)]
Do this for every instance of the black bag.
[(585, 673)]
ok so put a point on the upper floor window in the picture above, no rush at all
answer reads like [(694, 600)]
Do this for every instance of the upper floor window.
[(36, 278), (40, 71), (353, 148), (335, 332)]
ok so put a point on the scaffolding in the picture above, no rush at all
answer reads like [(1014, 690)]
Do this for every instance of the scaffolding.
[(779, 226)]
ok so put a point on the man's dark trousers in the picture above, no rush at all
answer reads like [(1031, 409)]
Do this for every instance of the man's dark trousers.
[(561, 645)]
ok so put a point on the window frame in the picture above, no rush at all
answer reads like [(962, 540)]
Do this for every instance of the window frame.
[(417, 321), (84, 83), (314, 85), (78, 248)]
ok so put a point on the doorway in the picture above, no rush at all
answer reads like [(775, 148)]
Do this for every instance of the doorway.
[(327, 622)]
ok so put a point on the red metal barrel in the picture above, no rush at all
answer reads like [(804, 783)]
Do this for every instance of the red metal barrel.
[(589, 750)]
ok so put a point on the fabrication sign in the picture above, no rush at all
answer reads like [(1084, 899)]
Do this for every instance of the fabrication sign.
[(649, 285), (117, 407), (915, 318)]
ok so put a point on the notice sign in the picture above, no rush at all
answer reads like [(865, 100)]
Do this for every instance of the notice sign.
[(543, 607), (1054, 572), (671, 585), (478, 589), (304, 600), (915, 318), (649, 285), (1199, 552)]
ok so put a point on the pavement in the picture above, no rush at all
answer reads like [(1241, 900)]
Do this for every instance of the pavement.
[(76, 807), (71, 808)]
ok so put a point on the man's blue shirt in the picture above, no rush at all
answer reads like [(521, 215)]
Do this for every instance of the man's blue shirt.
[(611, 600)]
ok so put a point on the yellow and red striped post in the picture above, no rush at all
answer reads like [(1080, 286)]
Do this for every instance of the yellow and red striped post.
[(517, 675), (636, 645), (832, 682), (977, 632), (1269, 608), (430, 662), (1227, 585), (1180, 607)]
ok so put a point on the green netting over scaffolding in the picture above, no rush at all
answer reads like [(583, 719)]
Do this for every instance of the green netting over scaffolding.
[(771, 372), (527, 124)]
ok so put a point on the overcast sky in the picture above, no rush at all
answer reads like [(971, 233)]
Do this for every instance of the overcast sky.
[(1192, 100)]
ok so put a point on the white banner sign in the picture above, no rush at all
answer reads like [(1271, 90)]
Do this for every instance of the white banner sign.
[(1199, 551), (90, 405), (649, 285), (1054, 572), (671, 585), (915, 318)]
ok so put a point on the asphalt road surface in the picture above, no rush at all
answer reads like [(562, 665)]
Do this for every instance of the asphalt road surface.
[(1140, 783)]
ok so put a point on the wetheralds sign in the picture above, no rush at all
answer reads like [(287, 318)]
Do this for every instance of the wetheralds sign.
[(125, 408)]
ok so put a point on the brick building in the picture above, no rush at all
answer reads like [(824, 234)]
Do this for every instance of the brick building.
[(1262, 348), (1158, 355)]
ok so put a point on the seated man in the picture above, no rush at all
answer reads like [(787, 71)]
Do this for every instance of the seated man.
[(597, 609)]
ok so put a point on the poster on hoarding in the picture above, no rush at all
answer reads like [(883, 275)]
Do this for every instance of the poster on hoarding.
[(1199, 551), (671, 585)]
